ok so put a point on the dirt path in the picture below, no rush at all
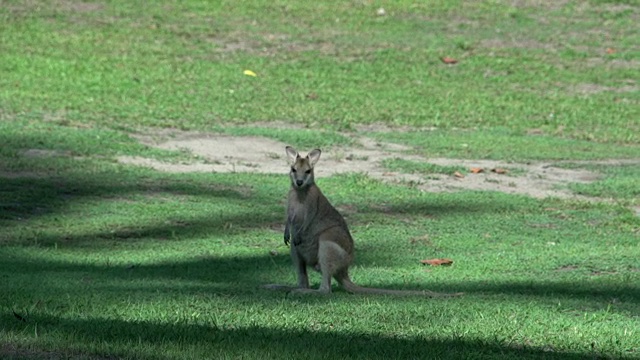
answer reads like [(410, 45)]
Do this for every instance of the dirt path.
[(220, 153)]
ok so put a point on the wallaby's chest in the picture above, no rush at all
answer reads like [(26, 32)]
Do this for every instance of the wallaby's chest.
[(303, 227), (311, 214), (301, 213), (306, 219)]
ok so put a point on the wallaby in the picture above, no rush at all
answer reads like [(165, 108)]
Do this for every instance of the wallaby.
[(319, 236)]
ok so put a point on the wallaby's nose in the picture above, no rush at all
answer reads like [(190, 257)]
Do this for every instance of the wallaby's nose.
[(299, 182)]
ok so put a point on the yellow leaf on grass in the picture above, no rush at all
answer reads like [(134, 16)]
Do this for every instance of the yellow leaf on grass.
[(250, 73)]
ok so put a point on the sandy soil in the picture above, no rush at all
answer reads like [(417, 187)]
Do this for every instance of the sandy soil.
[(220, 153)]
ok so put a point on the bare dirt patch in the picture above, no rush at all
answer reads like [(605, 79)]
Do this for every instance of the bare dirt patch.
[(222, 154)]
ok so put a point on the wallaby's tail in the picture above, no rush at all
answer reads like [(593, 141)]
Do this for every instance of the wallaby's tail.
[(356, 289)]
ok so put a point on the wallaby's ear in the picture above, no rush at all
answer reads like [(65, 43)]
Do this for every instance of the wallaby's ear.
[(314, 156), (292, 154)]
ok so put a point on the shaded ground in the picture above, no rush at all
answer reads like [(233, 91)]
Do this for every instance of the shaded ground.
[(222, 153)]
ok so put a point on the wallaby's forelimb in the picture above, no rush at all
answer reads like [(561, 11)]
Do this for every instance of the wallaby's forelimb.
[(287, 233)]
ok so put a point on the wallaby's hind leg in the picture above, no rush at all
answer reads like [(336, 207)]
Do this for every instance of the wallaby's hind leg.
[(332, 260), (325, 285)]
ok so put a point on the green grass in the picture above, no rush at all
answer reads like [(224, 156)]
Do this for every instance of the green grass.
[(426, 168), (303, 138), (408, 166), (102, 260), (167, 262), (330, 65), (499, 143), (619, 182)]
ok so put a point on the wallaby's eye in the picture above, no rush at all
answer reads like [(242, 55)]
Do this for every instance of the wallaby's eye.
[(308, 171), (293, 169)]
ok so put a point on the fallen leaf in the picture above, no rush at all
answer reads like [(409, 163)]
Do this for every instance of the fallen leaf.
[(437, 262), (499, 171), (476, 170), (611, 51), (250, 73), (458, 174), (448, 60)]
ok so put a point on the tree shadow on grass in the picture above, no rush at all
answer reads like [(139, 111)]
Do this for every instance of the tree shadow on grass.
[(225, 273), (134, 339), (211, 272), (212, 208), (27, 197), (575, 289), (243, 275), (205, 226), (46, 174), (464, 203)]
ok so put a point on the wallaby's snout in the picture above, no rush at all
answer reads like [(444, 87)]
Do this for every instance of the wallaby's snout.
[(302, 167)]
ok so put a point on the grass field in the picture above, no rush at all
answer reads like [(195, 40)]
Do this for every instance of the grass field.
[(103, 260)]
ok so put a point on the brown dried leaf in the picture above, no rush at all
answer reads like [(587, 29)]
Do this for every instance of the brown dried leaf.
[(476, 170), (499, 171), (437, 262), (458, 174), (449, 60)]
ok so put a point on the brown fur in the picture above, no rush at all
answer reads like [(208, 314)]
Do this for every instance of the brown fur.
[(319, 236)]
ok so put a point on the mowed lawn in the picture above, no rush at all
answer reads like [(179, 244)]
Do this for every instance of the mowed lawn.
[(102, 260)]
